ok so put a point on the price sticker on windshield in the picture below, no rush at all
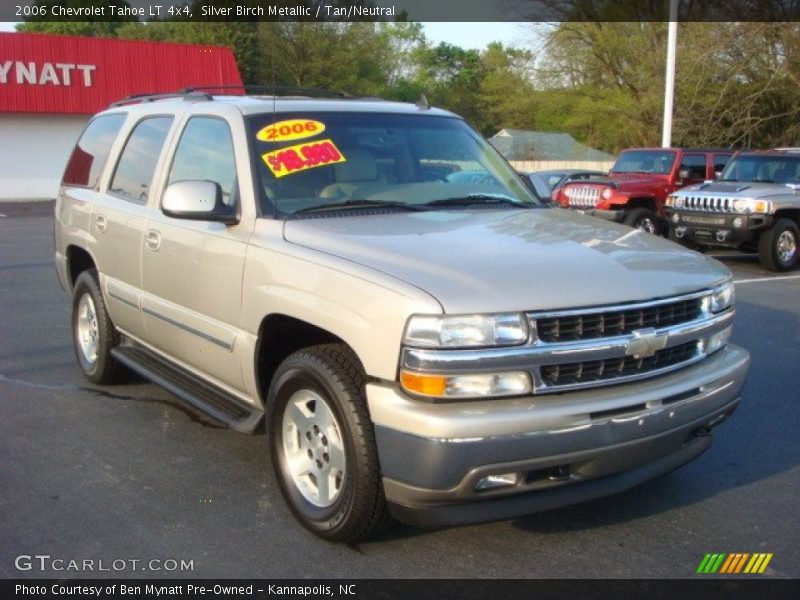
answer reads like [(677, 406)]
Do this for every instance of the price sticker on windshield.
[(289, 130), (301, 157)]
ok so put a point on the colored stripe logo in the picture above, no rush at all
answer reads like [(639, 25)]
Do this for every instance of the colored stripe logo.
[(737, 562)]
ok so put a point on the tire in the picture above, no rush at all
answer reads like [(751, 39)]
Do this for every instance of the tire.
[(644, 219), (318, 419), (778, 246), (93, 333)]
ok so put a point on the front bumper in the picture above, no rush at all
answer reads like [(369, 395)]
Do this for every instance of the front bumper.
[(717, 229), (608, 214), (566, 448)]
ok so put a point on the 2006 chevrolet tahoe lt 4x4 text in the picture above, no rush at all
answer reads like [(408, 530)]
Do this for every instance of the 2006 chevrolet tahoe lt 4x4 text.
[(419, 344)]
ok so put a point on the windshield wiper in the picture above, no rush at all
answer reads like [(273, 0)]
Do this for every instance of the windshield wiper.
[(472, 199), (355, 204)]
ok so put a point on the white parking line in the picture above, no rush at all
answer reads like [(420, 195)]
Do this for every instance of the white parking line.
[(779, 278), (2, 216)]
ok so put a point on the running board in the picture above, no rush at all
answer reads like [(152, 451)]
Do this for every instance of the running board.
[(215, 402)]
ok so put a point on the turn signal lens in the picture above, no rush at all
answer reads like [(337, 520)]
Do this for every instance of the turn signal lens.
[(425, 385), (475, 385)]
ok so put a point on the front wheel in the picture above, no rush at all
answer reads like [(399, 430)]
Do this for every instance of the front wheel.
[(777, 247), (644, 219), (323, 446)]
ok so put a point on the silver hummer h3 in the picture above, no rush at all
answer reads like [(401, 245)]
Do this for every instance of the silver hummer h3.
[(753, 206)]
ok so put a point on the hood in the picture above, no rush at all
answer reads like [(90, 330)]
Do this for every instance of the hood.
[(512, 260), (625, 181), (738, 189)]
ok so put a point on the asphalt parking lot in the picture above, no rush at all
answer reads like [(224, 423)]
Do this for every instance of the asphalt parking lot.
[(129, 473)]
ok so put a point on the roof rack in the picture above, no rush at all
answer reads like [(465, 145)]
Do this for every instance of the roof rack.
[(203, 92), (273, 90), (148, 97)]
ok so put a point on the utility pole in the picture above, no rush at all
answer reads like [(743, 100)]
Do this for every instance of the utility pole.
[(669, 84)]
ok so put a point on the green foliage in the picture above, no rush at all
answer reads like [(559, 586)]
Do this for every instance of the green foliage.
[(736, 83)]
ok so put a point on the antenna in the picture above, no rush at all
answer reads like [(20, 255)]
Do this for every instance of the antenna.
[(423, 102)]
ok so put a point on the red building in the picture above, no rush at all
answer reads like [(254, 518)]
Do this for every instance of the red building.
[(51, 84)]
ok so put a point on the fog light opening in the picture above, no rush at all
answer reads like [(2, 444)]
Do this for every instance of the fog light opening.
[(493, 482), (680, 232)]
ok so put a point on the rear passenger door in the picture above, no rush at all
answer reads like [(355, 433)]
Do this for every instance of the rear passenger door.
[(192, 270), (119, 216)]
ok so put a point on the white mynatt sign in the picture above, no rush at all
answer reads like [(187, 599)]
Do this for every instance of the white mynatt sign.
[(33, 73)]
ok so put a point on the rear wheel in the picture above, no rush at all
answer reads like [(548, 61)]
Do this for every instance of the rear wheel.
[(323, 445), (777, 247), (644, 219), (93, 333)]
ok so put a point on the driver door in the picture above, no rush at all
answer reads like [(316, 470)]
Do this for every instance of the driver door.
[(192, 270)]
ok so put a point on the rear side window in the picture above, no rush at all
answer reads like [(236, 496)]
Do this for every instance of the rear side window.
[(137, 163), (91, 151)]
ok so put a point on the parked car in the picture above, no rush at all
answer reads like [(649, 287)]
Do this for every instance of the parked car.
[(754, 206), (545, 182), (639, 183), (440, 352)]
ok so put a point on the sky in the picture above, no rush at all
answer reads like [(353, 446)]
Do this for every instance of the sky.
[(466, 35)]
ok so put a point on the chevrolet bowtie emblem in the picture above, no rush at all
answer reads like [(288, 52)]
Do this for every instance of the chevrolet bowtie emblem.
[(645, 342)]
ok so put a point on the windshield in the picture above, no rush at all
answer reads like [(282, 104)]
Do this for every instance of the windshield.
[(348, 161), (645, 161), (769, 169)]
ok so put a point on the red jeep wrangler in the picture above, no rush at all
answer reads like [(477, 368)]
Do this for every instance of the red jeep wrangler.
[(639, 182)]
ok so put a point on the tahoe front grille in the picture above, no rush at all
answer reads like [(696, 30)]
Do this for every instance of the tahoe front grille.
[(589, 325), (613, 368)]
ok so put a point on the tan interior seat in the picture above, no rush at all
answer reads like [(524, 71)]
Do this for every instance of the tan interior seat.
[(358, 170)]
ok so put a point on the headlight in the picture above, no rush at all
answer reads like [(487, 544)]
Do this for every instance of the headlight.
[(466, 331), (607, 193), (675, 201), (722, 297), (750, 206), (473, 385)]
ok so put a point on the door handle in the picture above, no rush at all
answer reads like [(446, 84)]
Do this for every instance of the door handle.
[(152, 239), (100, 223)]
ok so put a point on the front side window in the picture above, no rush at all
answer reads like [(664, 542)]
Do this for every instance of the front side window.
[(91, 152), (720, 160), (645, 161), (320, 161), (137, 163), (205, 151), (763, 169), (695, 164)]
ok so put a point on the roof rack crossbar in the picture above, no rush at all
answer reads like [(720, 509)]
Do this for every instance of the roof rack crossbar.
[(148, 97), (275, 90)]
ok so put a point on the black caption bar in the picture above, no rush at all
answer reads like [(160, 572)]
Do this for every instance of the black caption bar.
[(398, 10), (463, 589)]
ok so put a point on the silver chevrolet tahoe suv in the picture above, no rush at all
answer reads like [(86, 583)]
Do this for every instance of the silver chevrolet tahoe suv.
[(418, 345), (753, 206)]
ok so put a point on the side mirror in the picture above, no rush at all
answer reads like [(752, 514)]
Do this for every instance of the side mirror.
[(199, 200)]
